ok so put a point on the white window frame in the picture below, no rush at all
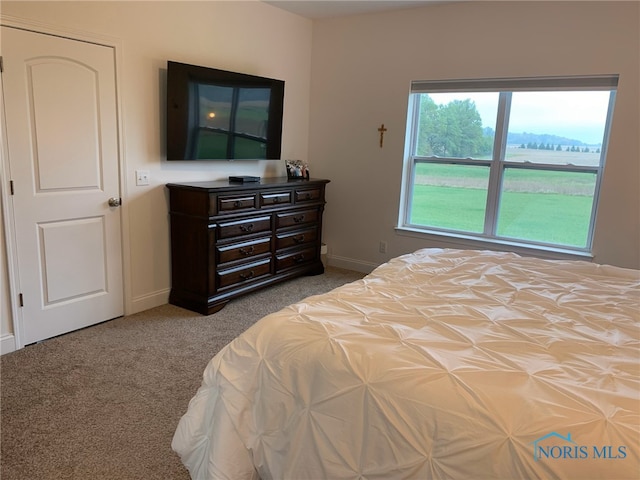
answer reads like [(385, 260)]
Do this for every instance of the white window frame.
[(497, 164)]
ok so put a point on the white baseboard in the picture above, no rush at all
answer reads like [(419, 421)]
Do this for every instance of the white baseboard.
[(350, 264), (151, 300), (7, 343)]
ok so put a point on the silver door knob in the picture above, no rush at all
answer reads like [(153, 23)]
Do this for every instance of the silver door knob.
[(114, 202)]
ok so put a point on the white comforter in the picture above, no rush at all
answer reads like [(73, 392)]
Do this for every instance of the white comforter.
[(439, 364)]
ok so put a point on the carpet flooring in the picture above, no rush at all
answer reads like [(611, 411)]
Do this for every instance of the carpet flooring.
[(104, 402)]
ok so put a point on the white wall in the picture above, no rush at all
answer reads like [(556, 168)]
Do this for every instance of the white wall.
[(362, 67), (250, 37)]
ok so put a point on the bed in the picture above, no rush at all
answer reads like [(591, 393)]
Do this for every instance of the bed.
[(443, 364)]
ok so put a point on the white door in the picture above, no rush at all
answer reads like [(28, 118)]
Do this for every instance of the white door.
[(62, 142)]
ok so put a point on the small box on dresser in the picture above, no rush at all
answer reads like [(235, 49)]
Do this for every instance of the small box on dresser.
[(228, 239)]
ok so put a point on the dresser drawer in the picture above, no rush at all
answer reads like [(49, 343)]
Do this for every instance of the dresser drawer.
[(244, 250), (295, 238), (243, 273), (275, 198), (308, 195), (246, 226), (299, 217), (236, 203), (295, 258)]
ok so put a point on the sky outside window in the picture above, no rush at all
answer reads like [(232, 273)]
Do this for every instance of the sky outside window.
[(576, 115)]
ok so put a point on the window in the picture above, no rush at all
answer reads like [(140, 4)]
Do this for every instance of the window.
[(508, 160)]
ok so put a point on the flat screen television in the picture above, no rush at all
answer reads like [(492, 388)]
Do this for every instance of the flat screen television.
[(219, 115)]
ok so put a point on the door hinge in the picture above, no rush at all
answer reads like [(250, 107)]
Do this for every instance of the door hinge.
[(20, 299), (11, 186), (1, 64)]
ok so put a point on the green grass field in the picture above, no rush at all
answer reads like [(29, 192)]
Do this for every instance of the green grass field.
[(541, 206)]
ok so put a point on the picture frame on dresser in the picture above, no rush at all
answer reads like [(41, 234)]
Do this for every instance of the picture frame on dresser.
[(229, 239)]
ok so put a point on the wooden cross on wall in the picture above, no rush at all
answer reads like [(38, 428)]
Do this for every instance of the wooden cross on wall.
[(382, 130)]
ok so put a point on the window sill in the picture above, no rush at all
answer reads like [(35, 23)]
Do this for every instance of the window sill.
[(476, 242)]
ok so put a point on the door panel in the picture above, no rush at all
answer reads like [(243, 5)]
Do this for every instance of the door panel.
[(61, 123), (81, 240), (56, 85)]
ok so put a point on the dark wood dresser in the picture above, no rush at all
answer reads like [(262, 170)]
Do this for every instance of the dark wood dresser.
[(228, 239)]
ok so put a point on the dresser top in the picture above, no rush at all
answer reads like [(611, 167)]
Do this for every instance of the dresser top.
[(263, 183)]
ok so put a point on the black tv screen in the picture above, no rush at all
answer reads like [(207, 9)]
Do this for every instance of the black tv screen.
[(219, 115)]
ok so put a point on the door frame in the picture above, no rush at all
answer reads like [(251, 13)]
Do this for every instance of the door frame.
[(7, 201)]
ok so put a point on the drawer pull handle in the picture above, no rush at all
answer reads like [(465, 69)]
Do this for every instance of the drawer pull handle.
[(299, 258), (247, 276), (299, 239), (245, 251), (237, 204), (308, 196), (246, 228), (276, 199), (298, 219)]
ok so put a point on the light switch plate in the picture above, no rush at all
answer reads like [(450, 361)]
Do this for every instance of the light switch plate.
[(142, 177)]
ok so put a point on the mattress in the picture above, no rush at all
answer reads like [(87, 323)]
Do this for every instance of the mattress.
[(443, 364)]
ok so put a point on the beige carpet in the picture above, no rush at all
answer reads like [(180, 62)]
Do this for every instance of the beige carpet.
[(103, 402)]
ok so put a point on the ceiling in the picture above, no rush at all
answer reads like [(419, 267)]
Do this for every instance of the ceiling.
[(337, 8)]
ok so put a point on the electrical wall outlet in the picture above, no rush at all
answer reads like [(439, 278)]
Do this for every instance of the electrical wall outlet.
[(142, 177), (382, 247)]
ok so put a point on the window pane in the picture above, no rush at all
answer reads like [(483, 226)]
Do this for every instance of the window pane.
[(546, 206), (450, 196), (456, 125), (558, 128)]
